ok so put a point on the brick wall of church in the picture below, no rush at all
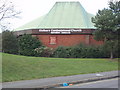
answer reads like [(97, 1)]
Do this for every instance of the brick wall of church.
[(54, 41)]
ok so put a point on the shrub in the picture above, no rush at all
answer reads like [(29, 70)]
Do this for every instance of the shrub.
[(47, 52), (27, 44), (9, 42), (44, 51), (68, 52), (103, 52), (114, 48), (80, 51), (60, 52)]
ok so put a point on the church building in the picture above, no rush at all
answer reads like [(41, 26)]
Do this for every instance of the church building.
[(66, 24)]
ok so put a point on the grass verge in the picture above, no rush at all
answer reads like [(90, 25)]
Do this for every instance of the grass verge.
[(15, 67)]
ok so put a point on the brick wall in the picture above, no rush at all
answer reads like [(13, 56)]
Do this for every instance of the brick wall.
[(67, 40)]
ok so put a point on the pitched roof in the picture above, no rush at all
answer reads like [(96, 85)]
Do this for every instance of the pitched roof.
[(62, 15)]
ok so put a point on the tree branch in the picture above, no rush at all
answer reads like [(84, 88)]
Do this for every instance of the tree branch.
[(7, 11)]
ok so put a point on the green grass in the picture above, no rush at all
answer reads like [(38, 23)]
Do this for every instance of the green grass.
[(0, 67), (17, 67)]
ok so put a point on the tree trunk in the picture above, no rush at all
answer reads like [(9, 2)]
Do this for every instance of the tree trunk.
[(111, 55)]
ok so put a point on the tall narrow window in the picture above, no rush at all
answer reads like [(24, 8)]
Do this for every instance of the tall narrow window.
[(52, 40)]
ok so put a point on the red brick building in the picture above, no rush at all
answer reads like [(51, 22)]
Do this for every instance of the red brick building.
[(66, 24)]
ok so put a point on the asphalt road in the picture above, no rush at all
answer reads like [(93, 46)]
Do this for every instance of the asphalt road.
[(54, 81), (110, 83)]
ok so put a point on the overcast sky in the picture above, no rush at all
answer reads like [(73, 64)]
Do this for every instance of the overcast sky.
[(32, 9)]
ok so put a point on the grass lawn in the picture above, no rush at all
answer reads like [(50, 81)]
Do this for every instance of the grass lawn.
[(15, 67)]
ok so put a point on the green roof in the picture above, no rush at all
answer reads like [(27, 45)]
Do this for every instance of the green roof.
[(62, 15)]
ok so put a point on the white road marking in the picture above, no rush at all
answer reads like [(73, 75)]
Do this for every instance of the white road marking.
[(96, 82), (91, 82)]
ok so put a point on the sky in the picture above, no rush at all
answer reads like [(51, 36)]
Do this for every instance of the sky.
[(31, 9)]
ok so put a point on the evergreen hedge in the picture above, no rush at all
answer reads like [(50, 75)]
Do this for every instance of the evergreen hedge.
[(28, 44), (80, 51), (9, 42)]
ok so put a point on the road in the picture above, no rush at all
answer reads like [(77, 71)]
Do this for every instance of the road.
[(110, 83)]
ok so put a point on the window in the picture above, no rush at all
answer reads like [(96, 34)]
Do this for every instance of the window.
[(52, 40)]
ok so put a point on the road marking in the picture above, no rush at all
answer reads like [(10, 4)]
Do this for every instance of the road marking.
[(96, 82), (91, 82)]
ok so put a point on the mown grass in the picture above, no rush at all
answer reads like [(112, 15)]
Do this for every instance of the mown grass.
[(15, 67), (0, 67)]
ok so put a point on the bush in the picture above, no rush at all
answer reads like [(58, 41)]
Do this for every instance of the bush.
[(9, 42), (60, 52), (27, 44), (44, 51), (80, 51), (66, 52), (114, 48)]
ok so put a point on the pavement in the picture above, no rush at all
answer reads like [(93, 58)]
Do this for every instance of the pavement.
[(58, 81)]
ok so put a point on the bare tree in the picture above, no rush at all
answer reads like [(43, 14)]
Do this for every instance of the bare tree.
[(7, 11)]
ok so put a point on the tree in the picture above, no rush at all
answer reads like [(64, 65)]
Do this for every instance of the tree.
[(9, 42), (7, 11), (107, 22), (28, 44)]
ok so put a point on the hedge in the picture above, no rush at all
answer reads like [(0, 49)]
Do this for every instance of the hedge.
[(80, 51)]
